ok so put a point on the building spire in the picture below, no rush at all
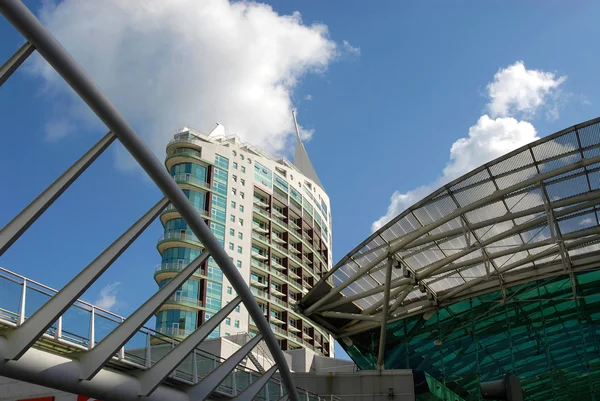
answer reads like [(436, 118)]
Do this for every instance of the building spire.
[(301, 159)]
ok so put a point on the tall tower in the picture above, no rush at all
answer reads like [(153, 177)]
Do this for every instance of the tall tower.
[(273, 217)]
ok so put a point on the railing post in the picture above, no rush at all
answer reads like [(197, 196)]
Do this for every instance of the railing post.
[(122, 349), (22, 306), (195, 367), (234, 383), (148, 351), (92, 329), (58, 332)]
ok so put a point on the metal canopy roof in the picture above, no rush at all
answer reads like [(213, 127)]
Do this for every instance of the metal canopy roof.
[(521, 217), (496, 272)]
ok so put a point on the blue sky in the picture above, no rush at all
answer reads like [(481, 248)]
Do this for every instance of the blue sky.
[(384, 111)]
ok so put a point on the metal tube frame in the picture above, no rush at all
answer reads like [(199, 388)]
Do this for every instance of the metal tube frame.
[(62, 62)]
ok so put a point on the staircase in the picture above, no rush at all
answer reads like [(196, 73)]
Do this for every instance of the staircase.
[(261, 350)]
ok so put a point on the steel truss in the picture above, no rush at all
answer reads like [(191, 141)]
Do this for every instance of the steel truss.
[(85, 373)]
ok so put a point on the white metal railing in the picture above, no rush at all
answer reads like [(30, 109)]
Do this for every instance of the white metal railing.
[(185, 152), (172, 208), (186, 300), (186, 140), (261, 211), (89, 327), (176, 267), (191, 179), (176, 235), (261, 237)]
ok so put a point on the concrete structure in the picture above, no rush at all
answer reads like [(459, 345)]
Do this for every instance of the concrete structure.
[(274, 220)]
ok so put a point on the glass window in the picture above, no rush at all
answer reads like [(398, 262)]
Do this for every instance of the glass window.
[(241, 208), (239, 264), (228, 321), (240, 235), (237, 309), (263, 175), (231, 246), (242, 195), (239, 249), (241, 156), (232, 218), (234, 191), (235, 178), (235, 165), (229, 290), (243, 169), (234, 153), (221, 161), (233, 204), (231, 232), (242, 181), (236, 324), (241, 222)]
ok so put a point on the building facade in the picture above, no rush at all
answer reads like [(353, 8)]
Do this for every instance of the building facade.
[(273, 218)]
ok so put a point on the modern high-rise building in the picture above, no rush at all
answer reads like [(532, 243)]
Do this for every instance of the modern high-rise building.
[(274, 219)]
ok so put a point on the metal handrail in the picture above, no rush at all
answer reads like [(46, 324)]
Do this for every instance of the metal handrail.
[(179, 236), (189, 178)]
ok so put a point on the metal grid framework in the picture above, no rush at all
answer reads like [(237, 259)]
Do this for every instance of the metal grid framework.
[(526, 217), (507, 218), (85, 374)]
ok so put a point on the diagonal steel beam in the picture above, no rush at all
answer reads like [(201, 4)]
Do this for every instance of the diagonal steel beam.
[(15, 62), (251, 392), (151, 378), (17, 226), (211, 381), (93, 360), (30, 27), (33, 328)]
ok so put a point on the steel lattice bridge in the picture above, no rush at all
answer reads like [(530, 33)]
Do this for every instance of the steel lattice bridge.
[(26, 340)]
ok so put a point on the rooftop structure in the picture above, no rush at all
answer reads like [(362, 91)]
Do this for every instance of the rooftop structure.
[(497, 272)]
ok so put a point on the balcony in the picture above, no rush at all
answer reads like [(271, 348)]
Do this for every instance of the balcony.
[(291, 327), (276, 292), (306, 336), (295, 259), (185, 140), (279, 248), (293, 225), (189, 179), (261, 237), (275, 319), (293, 274), (277, 265), (187, 301), (260, 202), (279, 221), (294, 250), (174, 332), (277, 238), (257, 283), (258, 228), (259, 256), (261, 212), (278, 330), (177, 236)]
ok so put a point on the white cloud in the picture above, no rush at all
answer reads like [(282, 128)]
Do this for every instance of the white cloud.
[(587, 221), (108, 296), (58, 128), (168, 64), (487, 140), (513, 90), (308, 97), (349, 49), (517, 90)]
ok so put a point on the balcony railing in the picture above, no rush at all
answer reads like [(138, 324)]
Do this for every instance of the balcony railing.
[(188, 178), (279, 248), (186, 140), (185, 300), (174, 332), (261, 237), (185, 152), (172, 208), (261, 211), (179, 236), (176, 267), (278, 220)]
